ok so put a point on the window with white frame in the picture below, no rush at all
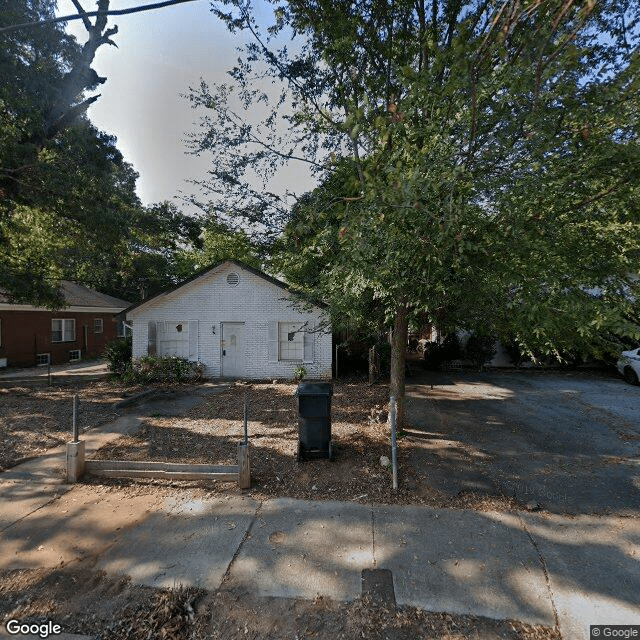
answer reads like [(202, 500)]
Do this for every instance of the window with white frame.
[(98, 325), (290, 341), (63, 330), (74, 355), (43, 359)]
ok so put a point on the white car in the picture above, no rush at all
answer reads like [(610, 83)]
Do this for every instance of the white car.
[(629, 365)]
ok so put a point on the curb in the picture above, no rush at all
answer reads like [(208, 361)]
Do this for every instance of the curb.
[(133, 399)]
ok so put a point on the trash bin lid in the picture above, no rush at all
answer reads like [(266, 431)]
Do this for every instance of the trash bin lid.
[(314, 389)]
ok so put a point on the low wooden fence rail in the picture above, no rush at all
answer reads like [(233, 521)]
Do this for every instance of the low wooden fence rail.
[(77, 466), (239, 473)]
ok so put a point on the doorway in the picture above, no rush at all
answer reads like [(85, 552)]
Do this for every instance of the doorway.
[(232, 361)]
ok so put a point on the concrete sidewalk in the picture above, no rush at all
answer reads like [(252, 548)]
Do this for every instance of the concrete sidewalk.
[(529, 567), (537, 568), (82, 371)]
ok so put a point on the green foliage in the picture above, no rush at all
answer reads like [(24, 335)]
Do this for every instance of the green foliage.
[(299, 373), (162, 369), (218, 242), (68, 206), (437, 353), (480, 349), (479, 162), (512, 348), (118, 356)]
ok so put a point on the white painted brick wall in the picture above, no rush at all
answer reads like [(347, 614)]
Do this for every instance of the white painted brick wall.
[(254, 301)]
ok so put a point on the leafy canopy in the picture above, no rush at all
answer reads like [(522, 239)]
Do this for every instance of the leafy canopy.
[(492, 148)]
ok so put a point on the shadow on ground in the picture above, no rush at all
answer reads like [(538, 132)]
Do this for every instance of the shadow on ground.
[(563, 443)]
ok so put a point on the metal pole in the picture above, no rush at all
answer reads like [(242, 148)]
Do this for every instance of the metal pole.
[(75, 418), (49, 373), (246, 413), (394, 452)]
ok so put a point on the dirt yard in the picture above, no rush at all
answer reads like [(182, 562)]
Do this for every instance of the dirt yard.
[(36, 418), (210, 432)]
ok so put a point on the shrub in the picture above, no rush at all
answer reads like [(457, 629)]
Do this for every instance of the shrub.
[(480, 349), (118, 356), (149, 368), (514, 352), (299, 373), (165, 369), (435, 353)]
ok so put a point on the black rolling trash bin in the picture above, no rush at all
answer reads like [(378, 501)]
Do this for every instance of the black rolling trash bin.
[(314, 420)]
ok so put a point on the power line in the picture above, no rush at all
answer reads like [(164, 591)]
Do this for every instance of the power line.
[(86, 14)]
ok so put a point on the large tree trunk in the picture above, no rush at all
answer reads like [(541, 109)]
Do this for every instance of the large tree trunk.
[(398, 355)]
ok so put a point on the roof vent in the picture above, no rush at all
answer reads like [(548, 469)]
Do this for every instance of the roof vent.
[(232, 279)]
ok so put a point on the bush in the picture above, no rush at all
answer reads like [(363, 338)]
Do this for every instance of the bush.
[(149, 368), (118, 356), (480, 349), (514, 352), (436, 353), (165, 369)]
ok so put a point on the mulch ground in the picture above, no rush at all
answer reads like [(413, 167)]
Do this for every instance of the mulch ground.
[(82, 600), (210, 433), (34, 419)]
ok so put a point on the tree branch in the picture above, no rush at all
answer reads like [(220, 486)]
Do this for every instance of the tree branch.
[(85, 14)]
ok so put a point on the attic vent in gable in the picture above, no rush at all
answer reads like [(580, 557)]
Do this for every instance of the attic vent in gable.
[(233, 279)]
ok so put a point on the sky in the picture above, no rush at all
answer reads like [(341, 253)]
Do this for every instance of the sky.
[(160, 54)]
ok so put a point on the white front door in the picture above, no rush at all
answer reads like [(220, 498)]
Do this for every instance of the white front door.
[(232, 350)]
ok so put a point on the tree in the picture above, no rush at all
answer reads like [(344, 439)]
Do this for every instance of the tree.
[(495, 149), (52, 161), (218, 243)]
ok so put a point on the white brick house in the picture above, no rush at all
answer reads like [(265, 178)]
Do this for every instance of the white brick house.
[(238, 322)]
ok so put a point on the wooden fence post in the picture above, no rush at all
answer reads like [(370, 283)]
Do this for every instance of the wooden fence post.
[(75, 461), (244, 469)]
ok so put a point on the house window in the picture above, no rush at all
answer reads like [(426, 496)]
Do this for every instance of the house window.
[(43, 359), (98, 325), (74, 355), (63, 330), (290, 341), (123, 330)]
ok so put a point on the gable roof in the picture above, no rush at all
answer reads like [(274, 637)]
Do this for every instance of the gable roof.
[(206, 270), (76, 295)]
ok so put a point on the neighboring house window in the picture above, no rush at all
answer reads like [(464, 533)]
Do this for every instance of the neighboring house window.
[(63, 330), (123, 330), (74, 355), (98, 325), (290, 341), (43, 359)]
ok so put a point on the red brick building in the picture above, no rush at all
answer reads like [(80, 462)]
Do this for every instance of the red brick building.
[(33, 335)]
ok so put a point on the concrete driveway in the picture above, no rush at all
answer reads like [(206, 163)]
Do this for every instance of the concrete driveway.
[(565, 442)]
